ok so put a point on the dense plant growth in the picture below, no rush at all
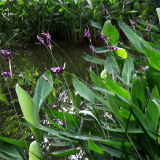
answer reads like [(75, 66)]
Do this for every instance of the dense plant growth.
[(116, 112)]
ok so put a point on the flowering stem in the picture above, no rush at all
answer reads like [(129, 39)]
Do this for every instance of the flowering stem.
[(10, 67)]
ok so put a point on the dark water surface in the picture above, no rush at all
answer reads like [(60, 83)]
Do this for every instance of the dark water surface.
[(28, 64)]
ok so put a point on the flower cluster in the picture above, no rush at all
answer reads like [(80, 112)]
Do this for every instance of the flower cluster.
[(112, 48), (104, 10), (102, 36), (92, 49), (148, 29), (5, 74), (133, 23), (47, 41), (58, 69), (6, 54), (87, 34)]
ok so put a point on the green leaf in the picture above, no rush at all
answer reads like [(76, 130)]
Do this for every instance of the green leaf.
[(136, 6), (93, 59), (29, 110), (117, 152), (151, 76), (154, 55), (92, 146), (114, 108), (96, 24), (69, 136), (110, 32), (112, 66), (120, 52), (158, 12), (43, 88), (126, 115), (35, 152), (11, 152), (64, 144), (16, 142), (127, 69), (138, 94), (112, 1), (155, 38), (82, 89), (115, 88), (65, 152), (3, 98), (152, 112), (129, 130), (144, 122), (1, 3), (98, 82), (134, 38)]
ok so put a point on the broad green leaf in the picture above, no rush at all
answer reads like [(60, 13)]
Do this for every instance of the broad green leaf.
[(29, 110), (138, 94), (65, 152), (134, 38), (136, 6), (151, 76), (93, 59), (11, 152), (35, 152), (129, 130), (114, 108), (96, 24), (98, 82), (110, 32), (43, 88), (154, 55), (126, 114), (112, 66), (112, 1), (144, 122), (1, 3), (127, 69), (117, 89), (120, 52), (158, 12), (3, 98), (154, 27), (16, 142), (61, 115), (155, 38), (82, 89), (92, 146), (152, 112)]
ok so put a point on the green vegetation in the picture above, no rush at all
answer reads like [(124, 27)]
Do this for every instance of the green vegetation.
[(114, 114)]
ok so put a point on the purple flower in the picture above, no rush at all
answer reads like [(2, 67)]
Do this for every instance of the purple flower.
[(148, 29), (87, 34), (112, 48), (104, 9), (102, 36), (6, 54), (133, 23), (5, 74), (40, 39), (58, 69), (92, 49)]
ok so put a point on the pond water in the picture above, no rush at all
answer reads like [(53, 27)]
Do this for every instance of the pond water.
[(28, 64)]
